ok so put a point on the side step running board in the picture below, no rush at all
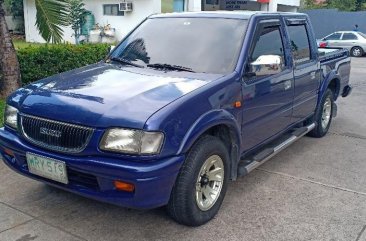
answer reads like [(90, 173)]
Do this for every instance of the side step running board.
[(248, 165)]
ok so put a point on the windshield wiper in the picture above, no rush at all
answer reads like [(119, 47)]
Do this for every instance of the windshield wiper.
[(125, 61), (169, 66)]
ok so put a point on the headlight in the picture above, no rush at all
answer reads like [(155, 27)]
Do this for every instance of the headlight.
[(132, 141), (11, 116)]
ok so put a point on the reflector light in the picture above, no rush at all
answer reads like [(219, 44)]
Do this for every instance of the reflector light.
[(124, 186)]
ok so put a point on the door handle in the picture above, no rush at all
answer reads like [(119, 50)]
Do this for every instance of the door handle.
[(312, 75), (288, 84)]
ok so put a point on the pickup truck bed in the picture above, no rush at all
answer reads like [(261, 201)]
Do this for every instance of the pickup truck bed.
[(328, 54)]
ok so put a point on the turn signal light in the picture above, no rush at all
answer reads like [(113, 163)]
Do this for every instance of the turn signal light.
[(237, 104), (9, 152), (124, 186)]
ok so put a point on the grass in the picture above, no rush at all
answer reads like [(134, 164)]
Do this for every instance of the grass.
[(2, 107), (21, 44)]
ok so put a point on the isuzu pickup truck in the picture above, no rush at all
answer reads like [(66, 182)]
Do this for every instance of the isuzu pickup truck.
[(184, 104)]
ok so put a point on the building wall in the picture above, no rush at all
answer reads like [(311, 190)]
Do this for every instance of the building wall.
[(143, 8), (252, 5), (123, 24), (327, 21), (14, 24)]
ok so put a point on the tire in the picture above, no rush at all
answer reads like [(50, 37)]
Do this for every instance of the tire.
[(357, 52), (188, 204), (323, 115)]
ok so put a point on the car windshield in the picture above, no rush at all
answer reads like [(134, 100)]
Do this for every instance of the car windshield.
[(362, 34), (204, 45)]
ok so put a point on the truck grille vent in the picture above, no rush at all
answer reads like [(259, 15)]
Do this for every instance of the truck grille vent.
[(55, 135)]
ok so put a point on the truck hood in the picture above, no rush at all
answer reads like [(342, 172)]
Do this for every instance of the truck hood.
[(106, 95)]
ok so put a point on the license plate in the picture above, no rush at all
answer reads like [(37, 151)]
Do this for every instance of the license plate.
[(47, 167)]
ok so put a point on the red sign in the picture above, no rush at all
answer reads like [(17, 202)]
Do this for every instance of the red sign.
[(263, 1)]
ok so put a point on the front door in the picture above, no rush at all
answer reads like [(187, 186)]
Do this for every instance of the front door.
[(333, 40), (268, 87)]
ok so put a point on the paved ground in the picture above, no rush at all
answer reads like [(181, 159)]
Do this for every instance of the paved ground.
[(314, 190)]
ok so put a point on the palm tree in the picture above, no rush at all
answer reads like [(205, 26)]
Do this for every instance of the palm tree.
[(9, 65), (51, 15)]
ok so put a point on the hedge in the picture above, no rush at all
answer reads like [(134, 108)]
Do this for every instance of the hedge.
[(37, 62), (2, 107)]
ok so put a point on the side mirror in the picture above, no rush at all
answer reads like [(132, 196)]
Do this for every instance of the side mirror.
[(110, 48), (266, 65)]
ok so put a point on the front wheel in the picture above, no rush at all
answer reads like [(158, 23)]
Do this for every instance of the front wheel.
[(201, 184), (323, 115)]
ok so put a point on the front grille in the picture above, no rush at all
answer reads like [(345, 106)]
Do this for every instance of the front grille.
[(55, 135)]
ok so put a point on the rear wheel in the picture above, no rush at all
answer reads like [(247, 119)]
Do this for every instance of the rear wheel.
[(323, 115), (357, 52), (201, 184)]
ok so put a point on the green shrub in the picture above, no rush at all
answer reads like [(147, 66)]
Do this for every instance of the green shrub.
[(2, 107), (38, 62)]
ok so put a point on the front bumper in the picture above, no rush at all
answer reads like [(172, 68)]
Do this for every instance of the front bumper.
[(94, 177)]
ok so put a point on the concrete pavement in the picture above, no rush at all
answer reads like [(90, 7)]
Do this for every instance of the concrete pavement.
[(314, 190)]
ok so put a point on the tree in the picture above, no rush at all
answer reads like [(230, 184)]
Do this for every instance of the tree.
[(9, 65), (76, 16), (313, 4), (51, 14), (343, 5), (360, 5)]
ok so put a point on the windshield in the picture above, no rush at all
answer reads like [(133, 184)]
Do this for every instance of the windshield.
[(205, 45)]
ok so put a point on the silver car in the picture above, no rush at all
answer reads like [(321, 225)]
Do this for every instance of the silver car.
[(354, 41)]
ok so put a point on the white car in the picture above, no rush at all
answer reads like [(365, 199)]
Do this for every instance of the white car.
[(354, 41)]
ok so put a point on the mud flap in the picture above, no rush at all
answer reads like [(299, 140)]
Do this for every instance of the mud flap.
[(335, 110)]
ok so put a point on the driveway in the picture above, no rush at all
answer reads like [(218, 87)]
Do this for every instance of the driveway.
[(314, 190)]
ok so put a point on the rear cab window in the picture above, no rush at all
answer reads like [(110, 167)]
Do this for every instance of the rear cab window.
[(300, 44)]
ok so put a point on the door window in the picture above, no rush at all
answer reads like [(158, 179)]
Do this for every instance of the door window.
[(349, 36), (335, 36), (300, 43), (267, 55)]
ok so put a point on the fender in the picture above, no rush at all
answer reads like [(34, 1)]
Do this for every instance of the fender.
[(205, 122), (333, 75)]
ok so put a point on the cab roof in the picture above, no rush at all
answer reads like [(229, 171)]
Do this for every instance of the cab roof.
[(224, 14)]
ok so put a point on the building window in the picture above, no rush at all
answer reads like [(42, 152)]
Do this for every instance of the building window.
[(112, 10), (168, 6)]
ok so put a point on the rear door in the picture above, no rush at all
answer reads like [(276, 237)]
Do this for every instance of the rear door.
[(349, 40), (267, 89), (306, 68)]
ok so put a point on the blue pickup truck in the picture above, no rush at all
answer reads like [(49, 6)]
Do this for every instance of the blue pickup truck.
[(185, 103)]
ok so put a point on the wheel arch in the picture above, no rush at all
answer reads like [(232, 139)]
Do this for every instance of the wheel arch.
[(334, 83), (219, 123)]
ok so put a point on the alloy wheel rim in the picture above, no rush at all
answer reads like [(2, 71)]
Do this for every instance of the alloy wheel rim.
[(209, 182), (356, 52), (327, 111)]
